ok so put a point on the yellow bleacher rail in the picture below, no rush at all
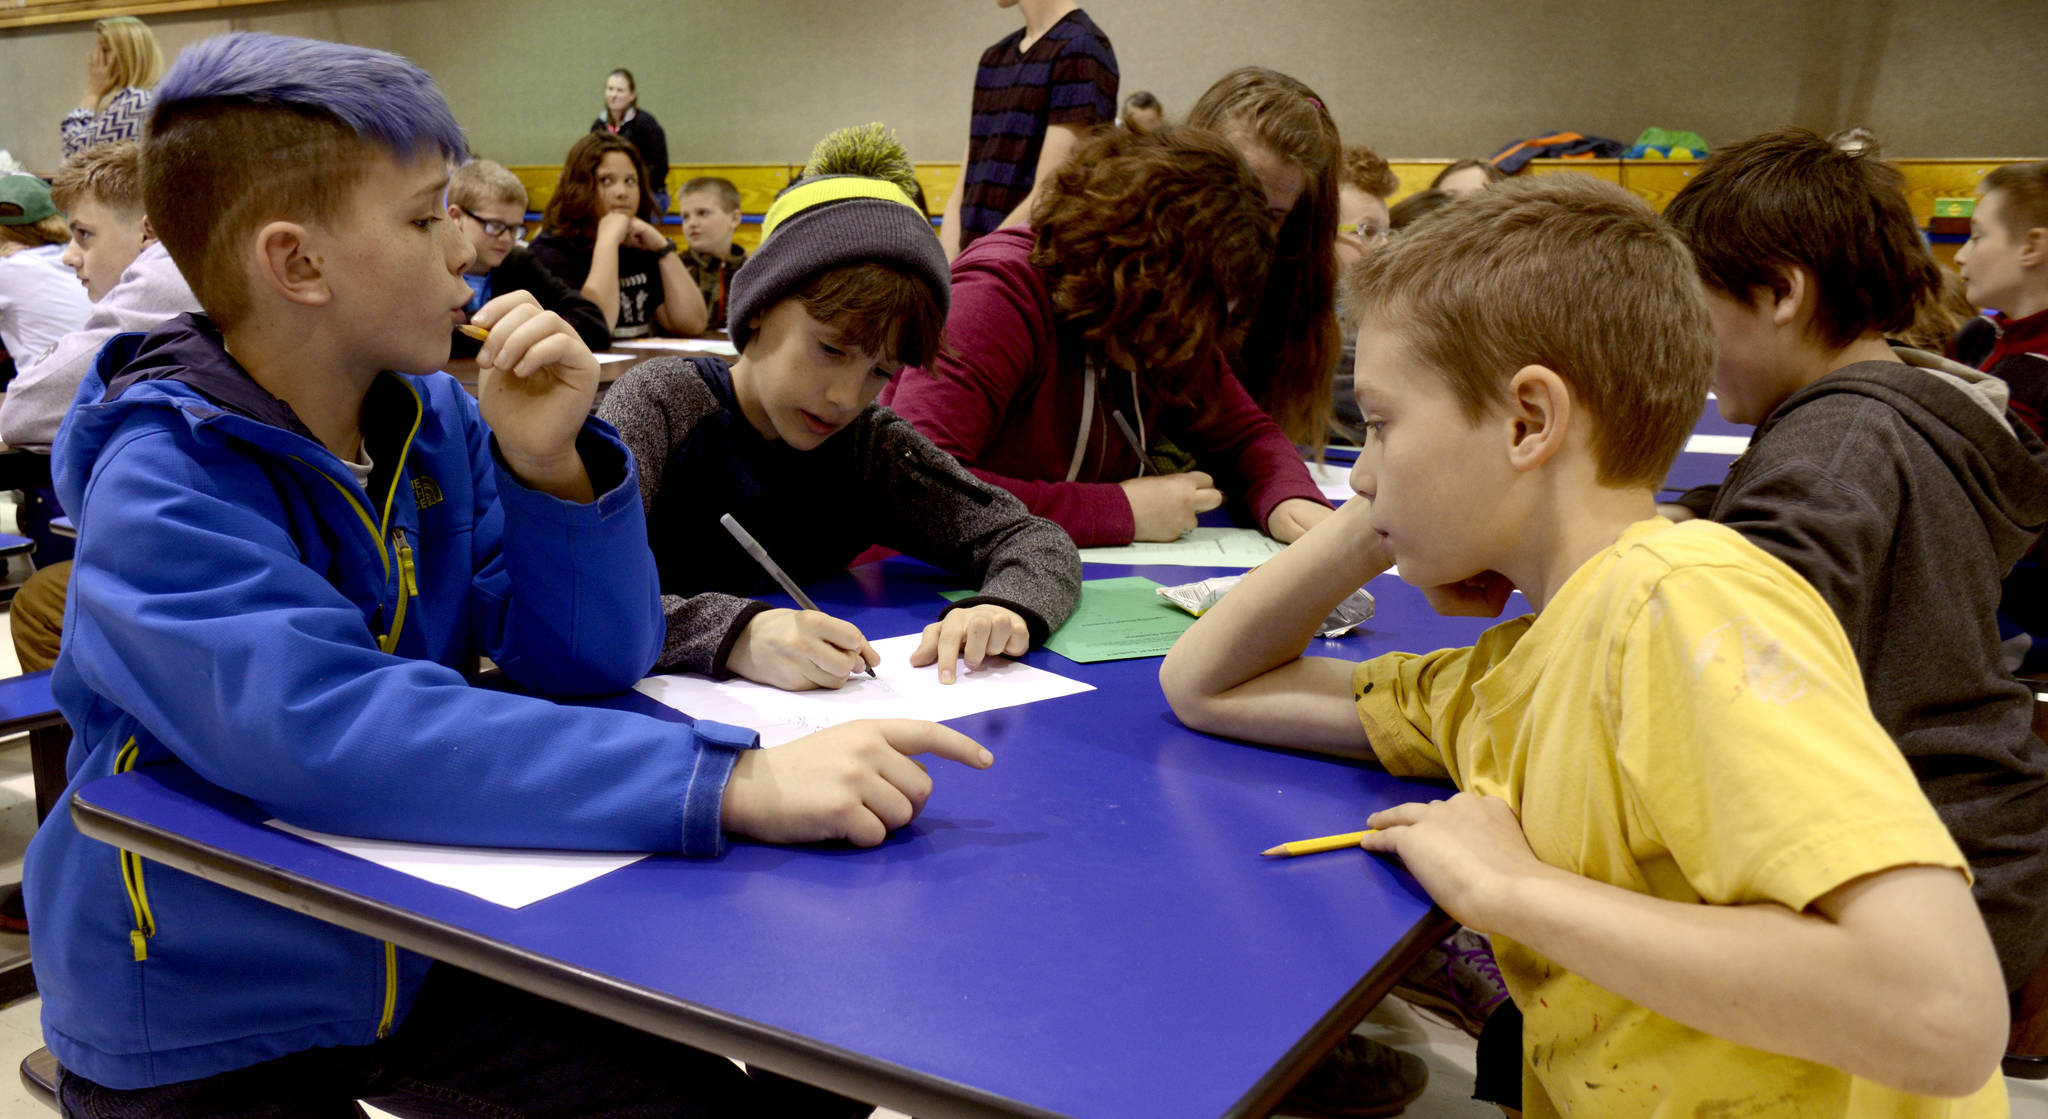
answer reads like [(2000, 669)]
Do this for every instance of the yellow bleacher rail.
[(1654, 180)]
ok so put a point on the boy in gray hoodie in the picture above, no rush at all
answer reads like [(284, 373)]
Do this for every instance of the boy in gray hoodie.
[(1897, 482)]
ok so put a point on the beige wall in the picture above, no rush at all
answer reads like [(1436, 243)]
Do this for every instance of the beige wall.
[(759, 80)]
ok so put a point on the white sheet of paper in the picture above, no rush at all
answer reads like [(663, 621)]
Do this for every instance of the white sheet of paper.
[(1334, 479), (897, 691), (607, 359), (1717, 444), (685, 345), (1204, 547), (510, 877)]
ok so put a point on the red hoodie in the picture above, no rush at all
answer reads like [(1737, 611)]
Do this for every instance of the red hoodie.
[(2020, 356), (1007, 401)]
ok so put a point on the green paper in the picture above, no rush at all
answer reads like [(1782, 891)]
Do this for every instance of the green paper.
[(1118, 619)]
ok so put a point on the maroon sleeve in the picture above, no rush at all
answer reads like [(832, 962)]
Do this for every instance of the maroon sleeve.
[(1244, 450), (1000, 342)]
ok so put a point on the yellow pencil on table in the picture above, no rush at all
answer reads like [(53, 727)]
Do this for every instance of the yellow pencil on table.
[(1318, 846)]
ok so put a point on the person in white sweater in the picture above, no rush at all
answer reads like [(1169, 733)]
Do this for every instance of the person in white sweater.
[(130, 279)]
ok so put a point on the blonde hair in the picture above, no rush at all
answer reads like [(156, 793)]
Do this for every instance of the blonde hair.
[(110, 174), (138, 60), (1563, 271), (481, 182)]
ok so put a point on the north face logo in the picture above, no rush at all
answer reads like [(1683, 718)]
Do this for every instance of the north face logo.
[(426, 491)]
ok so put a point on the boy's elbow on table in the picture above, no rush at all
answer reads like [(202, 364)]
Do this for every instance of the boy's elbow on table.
[(1194, 701)]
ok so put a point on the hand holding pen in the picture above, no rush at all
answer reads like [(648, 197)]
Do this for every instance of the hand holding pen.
[(795, 649)]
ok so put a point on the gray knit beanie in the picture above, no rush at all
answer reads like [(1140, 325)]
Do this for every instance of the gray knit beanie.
[(851, 206)]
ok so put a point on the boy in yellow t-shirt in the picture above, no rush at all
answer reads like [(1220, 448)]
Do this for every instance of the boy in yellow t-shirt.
[(1710, 879)]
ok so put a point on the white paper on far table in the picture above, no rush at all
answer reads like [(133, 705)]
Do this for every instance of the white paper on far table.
[(1204, 547), (682, 345), (512, 877), (1334, 479), (607, 359), (1717, 444), (897, 691)]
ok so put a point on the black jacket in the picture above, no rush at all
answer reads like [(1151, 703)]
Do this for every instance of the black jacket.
[(520, 272)]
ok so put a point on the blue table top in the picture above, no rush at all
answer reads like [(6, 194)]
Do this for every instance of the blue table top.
[(1086, 929)]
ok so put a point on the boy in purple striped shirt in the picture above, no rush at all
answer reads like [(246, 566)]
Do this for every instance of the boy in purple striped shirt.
[(1037, 93)]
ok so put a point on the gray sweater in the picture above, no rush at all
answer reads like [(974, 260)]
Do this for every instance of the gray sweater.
[(1904, 493), (874, 482)]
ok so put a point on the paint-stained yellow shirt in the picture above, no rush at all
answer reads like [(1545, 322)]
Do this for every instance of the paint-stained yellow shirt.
[(1686, 720)]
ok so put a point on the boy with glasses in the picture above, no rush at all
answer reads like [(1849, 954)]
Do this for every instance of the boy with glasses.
[(488, 203)]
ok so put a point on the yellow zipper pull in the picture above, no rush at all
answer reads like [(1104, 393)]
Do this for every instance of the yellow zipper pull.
[(408, 581)]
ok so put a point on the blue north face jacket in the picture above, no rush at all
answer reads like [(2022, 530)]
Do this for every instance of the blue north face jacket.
[(242, 607)]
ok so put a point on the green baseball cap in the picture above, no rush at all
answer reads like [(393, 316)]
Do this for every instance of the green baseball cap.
[(24, 200)]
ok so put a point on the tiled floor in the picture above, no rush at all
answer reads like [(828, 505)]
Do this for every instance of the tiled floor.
[(1447, 1052)]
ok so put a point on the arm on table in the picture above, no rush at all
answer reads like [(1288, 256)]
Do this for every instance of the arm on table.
[(1252, 459), (1238, 671)]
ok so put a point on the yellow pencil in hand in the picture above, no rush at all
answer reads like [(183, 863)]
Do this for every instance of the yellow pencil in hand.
[(1318, 846), (473, 330)]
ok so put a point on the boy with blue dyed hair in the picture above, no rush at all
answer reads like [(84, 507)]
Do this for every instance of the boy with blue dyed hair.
[(294, 539)]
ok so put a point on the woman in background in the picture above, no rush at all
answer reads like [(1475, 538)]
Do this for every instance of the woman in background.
[(120, 73), (624, 117)]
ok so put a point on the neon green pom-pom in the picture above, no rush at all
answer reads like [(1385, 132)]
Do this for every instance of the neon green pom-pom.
[(869, 150)]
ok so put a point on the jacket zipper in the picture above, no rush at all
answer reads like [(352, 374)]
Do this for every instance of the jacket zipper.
[(408, 587), (390, 989), (131, 872)]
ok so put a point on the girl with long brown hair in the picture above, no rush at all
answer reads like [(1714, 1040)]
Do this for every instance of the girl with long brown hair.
[(594, 237), (1084, 366), (1290, 345)]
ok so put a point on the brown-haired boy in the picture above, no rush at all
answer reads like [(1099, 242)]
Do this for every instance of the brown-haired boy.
[(1362, 191), (710, 208), (1709, 877), (848, 286), (134, 285), (1362, 225), (488, 203), (1893, 480), (294, 536), (2005, 268)]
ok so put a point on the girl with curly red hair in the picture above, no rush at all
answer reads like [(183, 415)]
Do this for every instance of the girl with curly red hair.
[(1083, 368)]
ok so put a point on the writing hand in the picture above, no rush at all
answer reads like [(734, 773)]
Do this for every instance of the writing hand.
[(1164, 506), (797, 650)]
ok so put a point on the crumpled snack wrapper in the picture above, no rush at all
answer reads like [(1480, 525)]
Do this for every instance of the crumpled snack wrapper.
[(1197, 598)]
